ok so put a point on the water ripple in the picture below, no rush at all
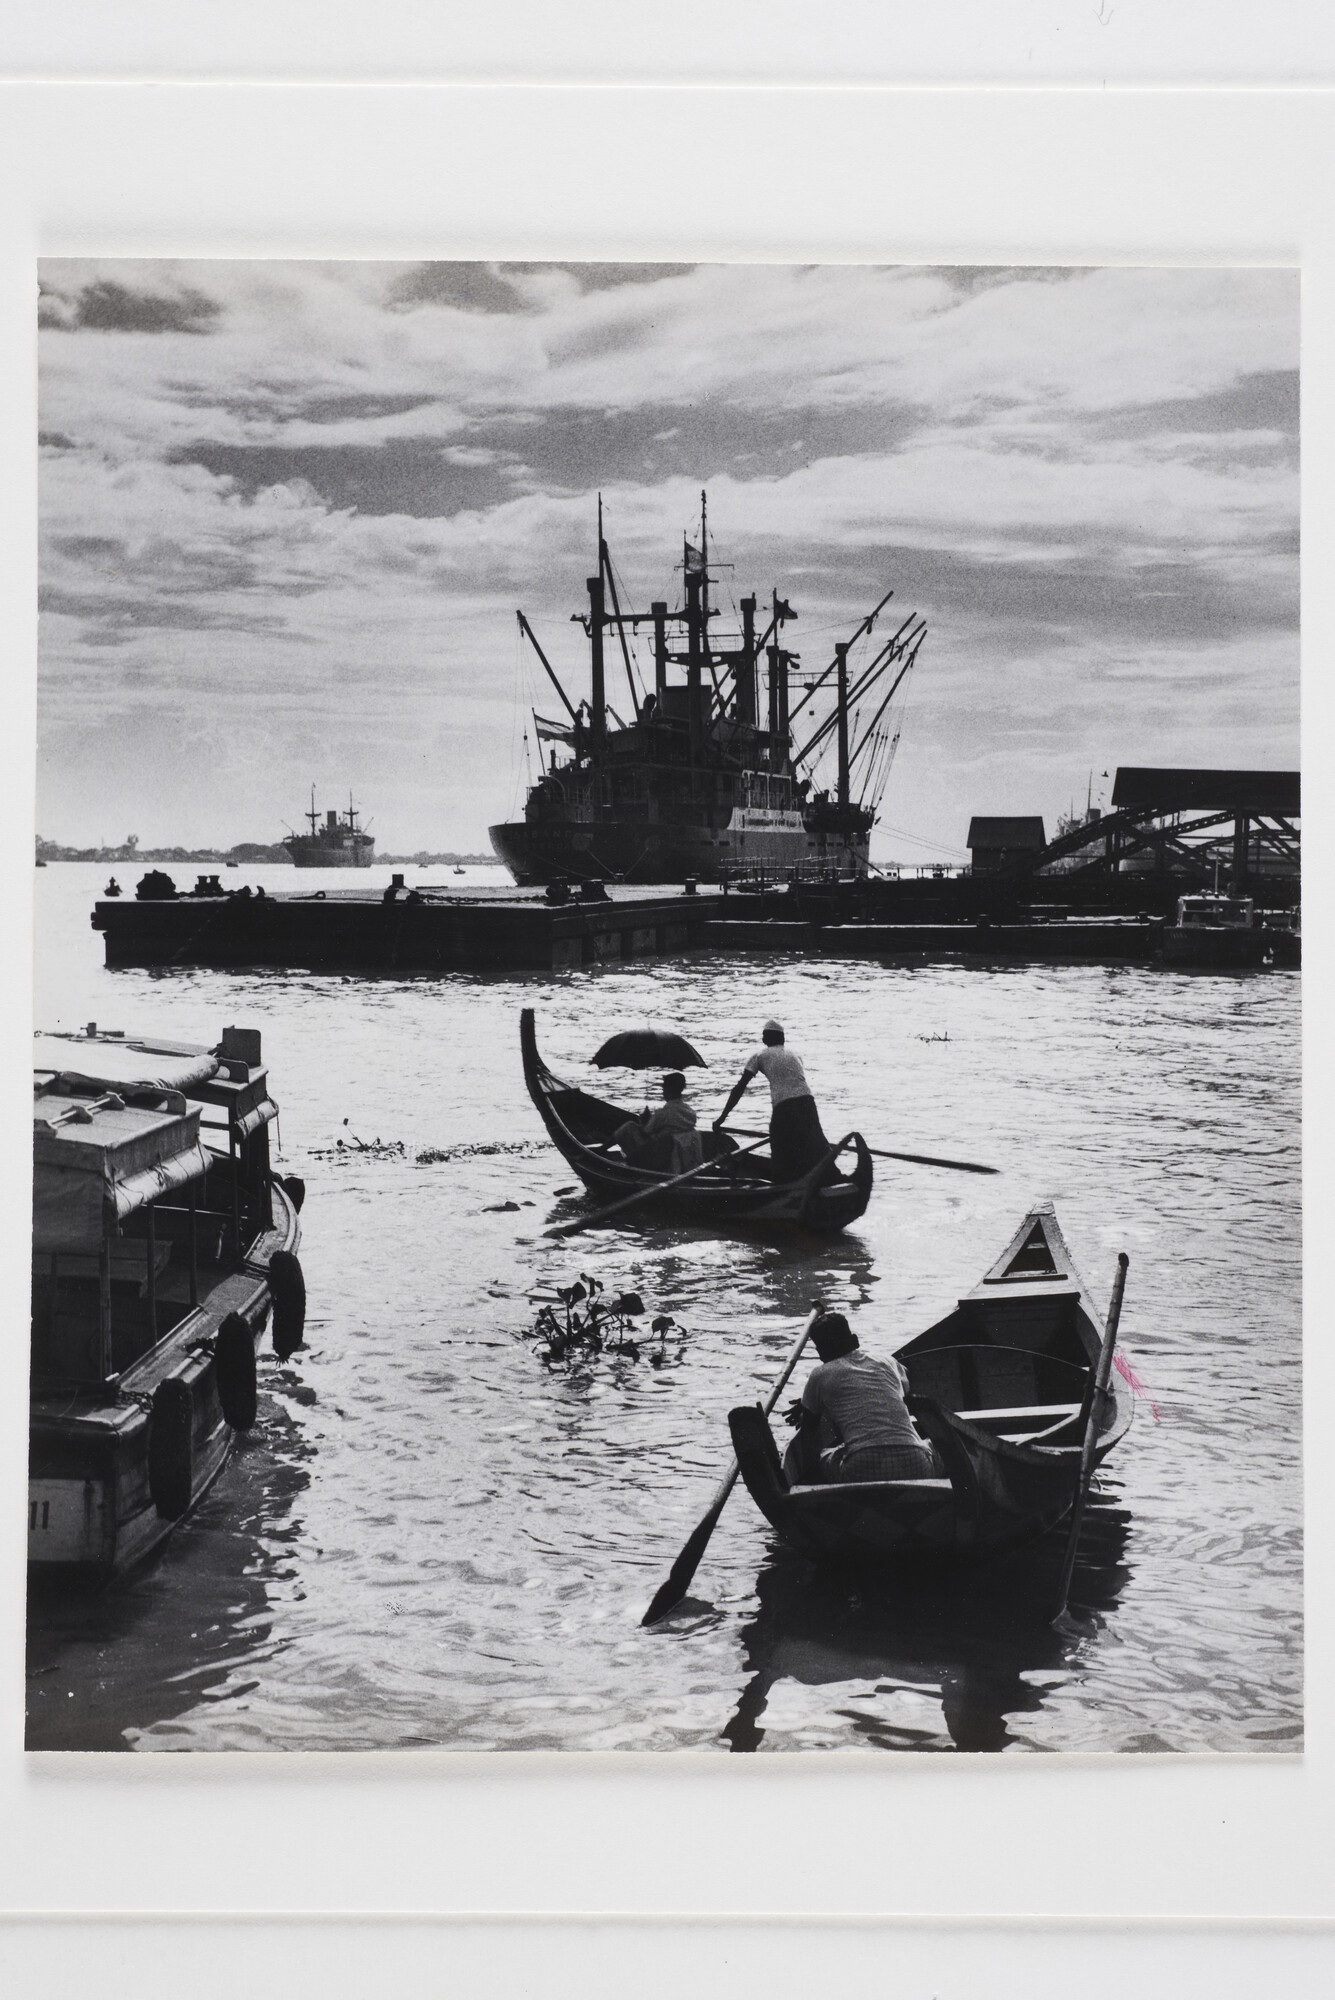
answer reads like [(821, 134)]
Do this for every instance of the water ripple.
[(432, 1541)]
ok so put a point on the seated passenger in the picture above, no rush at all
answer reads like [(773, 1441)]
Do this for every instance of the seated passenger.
[(665, 1141), (852, 1422)]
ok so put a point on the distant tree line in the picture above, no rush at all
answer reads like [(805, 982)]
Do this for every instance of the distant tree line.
[(251, 851), (425, 860), (129, 850)]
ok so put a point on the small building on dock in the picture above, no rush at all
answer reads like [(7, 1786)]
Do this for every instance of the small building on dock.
[(996, 842)]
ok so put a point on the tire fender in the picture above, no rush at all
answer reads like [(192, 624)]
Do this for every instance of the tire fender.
[(234, 1371), (287, 1289), (294, 1187), (171, 1451)]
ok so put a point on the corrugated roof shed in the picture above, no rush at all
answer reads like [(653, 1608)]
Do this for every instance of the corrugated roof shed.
[(1011, 833), (1171, 790)]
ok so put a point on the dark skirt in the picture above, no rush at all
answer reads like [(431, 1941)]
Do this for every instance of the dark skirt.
[(796, 1141)]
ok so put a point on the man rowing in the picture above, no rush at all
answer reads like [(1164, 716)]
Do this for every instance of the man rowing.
[(852, 1422), (797, 1143)]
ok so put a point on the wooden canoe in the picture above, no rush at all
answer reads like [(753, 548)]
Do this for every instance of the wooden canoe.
[(731, 1194), (1002, 1386)]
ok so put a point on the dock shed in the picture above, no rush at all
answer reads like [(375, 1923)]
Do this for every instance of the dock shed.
[(994, 843), (1275, 793)]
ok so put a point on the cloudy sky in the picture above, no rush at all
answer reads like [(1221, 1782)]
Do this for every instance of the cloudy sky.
[(289, 510)]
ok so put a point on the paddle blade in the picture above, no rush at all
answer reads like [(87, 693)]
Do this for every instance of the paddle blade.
[(669, 1594)]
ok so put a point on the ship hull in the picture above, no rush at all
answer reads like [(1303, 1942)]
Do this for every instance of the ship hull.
[(331, 857), (630, 851)]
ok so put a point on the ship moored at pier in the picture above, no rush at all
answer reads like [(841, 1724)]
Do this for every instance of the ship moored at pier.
[(697, 782)]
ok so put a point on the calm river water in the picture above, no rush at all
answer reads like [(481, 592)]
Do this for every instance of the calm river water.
[(431, 1540)]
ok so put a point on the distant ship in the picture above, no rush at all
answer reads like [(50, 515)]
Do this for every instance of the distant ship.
[(339, 843), (697, 784)]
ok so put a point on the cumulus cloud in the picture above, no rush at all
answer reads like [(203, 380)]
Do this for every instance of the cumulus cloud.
[(107, 307), (289, 510)]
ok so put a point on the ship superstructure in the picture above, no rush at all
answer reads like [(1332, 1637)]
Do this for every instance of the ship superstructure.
[(338, 842), (712, 776)]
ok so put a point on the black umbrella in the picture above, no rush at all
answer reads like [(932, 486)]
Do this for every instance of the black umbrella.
[(646, 1048)]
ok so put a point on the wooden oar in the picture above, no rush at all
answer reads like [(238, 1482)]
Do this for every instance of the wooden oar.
[(647, 1193), (879, 1153), (683, 1569), (1061, 1621)]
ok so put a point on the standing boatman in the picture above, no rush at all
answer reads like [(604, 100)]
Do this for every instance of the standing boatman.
[(797, 1143)]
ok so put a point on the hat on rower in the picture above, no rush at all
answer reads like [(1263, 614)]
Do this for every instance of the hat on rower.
[(772, 1028)]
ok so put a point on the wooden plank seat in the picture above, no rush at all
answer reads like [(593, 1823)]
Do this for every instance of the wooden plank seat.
[(831, 1487), (1018, 1425)]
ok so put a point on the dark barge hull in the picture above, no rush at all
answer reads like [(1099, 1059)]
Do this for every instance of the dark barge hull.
[(633, 851), (1025, 1341), (352, 930), (742, 1197), (1223, 948), (304, 856)]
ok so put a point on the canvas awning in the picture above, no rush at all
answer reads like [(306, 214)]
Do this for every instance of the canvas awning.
[(122, 1065), (91, 1172), (259, 1114)]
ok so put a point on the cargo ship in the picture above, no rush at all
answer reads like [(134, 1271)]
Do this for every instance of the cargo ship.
[(338, 843), (695, 780)]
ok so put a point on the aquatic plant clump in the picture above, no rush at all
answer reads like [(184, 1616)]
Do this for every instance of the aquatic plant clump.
[(581, 1321), (353, 1148), (361, 1149), (476, 1149)]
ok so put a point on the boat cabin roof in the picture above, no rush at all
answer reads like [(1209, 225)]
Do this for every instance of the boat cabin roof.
[(116, 1062), (1206, 909), (107, 1061), (98, 1159)]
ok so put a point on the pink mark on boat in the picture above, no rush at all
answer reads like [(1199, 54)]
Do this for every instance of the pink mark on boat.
[(1129, 1375)]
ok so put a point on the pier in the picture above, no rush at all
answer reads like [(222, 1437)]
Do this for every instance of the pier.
[(1104, 892), (419, 931), (519, 931)]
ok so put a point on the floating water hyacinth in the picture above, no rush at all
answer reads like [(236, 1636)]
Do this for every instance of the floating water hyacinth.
[(581, 1321)]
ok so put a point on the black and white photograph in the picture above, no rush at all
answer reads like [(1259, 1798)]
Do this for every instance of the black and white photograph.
[(667, 1088)]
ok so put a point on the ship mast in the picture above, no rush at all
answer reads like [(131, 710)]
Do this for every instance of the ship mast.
[(841, 698), (312, 815), (692, 577), (598, 701)]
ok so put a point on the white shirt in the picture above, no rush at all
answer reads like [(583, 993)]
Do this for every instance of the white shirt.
[(783, 1072)]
